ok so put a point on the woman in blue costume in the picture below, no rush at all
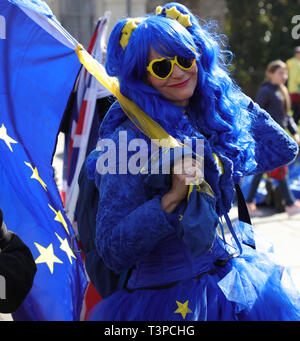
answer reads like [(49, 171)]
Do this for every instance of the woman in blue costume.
[(175, 71)]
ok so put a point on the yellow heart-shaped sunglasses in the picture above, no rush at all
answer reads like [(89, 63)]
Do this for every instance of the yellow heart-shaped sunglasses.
[(162, 68)]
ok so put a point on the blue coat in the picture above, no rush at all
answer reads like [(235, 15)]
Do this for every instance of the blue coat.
[(130, 220), (270, 98)]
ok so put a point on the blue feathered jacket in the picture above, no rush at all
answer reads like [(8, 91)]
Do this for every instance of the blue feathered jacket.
[(130, 220)]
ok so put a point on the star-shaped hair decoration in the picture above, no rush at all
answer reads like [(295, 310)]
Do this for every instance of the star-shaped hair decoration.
[(35, 175), (172, 13), (158, 10), (183, 309), (8, 140), (127, 30), (183, 19), (59, 217), (47, 256)]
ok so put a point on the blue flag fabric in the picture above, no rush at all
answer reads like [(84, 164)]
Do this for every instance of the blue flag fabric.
[(38, 69)]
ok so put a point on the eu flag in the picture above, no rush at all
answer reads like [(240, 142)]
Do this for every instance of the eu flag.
[(38, 68)]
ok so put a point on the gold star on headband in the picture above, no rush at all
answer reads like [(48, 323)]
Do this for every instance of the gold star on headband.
[(184, 20), (159, 9), (128, 28), (173, 13)]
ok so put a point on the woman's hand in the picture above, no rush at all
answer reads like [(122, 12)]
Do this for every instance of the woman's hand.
[(183, 174)]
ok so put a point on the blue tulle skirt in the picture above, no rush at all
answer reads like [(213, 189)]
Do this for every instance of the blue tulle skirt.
[(250, 287)]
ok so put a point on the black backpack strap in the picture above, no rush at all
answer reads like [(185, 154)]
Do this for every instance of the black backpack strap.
[(243, 211), (242, 207)]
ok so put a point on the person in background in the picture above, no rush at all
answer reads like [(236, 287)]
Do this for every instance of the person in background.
[(17, 270), (293, 65), (273, 96)]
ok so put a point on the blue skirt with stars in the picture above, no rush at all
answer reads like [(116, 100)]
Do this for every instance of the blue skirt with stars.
[(171, 285)]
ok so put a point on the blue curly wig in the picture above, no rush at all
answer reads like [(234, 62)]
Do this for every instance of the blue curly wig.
[(218, 108)]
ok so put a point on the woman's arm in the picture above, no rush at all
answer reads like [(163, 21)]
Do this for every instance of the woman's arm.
[(293, 129), (129, 225), (273, 146)]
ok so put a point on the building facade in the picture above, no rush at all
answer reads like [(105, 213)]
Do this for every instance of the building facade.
[(80, 17)]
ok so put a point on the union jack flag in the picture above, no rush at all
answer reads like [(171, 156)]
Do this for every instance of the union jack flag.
[(81, 126)]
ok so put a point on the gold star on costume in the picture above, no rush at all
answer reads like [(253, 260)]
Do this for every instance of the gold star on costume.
[(47, 256), (183, 309), (3, 136), (59, 217), (65, 247), (35, 175)]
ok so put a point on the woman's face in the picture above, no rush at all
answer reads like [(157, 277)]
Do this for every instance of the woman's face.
[(179, 87), (279, 76)]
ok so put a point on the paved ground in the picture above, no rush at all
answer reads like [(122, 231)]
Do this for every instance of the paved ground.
[(280, 229), (283, 232)]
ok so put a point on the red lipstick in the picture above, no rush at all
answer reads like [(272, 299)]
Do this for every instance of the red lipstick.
[(180, 85)]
